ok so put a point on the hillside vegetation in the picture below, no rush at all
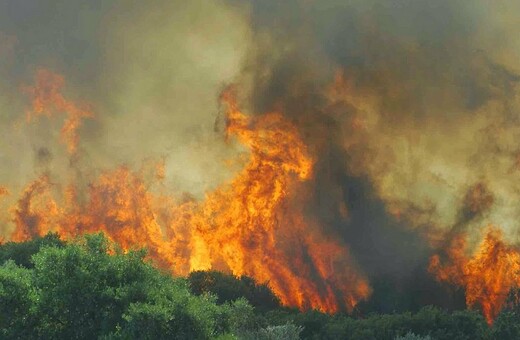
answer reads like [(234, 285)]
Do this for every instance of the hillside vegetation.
[(91, 289)]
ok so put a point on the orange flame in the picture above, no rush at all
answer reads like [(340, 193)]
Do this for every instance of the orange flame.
[(487, 277), (255, 225), (47, 100)]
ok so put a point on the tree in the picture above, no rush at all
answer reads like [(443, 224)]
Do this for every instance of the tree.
[(507, 324), (91, 289), (229, 288), (21, 252), (17, 297), (412, 336)]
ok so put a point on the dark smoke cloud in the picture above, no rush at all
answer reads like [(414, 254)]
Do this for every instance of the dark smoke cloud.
[(435, 86)]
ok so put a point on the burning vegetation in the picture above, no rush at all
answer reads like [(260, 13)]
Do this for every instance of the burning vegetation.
[(488, 276), (255, 225)]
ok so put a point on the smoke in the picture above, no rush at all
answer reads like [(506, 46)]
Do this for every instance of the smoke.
[(411, 107), (166, 63), (151, 72), (424, 108)]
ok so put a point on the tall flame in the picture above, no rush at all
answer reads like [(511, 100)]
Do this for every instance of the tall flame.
[(258, 224), (487, 276)]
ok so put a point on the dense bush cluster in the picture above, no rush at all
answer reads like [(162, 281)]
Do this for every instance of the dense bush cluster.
[(90, 289), (228, 288)]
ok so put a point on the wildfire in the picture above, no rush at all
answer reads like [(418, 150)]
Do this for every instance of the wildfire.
[(487, 276), (257, 224)]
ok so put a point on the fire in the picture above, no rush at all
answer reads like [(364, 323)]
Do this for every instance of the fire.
[(35, 211), (257, 224), (47, 100), (487, 276)]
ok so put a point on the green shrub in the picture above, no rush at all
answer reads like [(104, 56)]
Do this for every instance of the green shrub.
[(412, 336)]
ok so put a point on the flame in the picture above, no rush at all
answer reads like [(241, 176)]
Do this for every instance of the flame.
[(487, 276), (35, 211), (47, 100), (258, 224)]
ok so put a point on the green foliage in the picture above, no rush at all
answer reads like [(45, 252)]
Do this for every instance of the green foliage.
[(21, 252), (506, 326), (17, 297), (412, 336), (313, 323), (429, 321), (84, 291), (229, 288), (88, 290), (286, 332), (243, 317), (160, 321)]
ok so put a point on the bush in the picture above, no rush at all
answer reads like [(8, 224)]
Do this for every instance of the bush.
[(90, 289), (286, 332), (22, 252), (229, 288), (17, 297), (412, 336)]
